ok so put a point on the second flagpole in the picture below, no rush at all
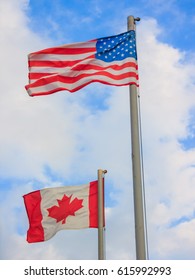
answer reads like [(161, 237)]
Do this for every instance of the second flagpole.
[(101, 249)]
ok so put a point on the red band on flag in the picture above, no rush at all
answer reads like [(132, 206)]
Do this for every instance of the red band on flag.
[(32, 203), (93, 204)]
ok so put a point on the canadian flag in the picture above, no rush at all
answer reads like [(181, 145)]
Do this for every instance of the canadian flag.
[(52, 209)]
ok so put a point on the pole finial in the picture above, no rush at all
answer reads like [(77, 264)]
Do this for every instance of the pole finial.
[(137, 19), (131, 22)]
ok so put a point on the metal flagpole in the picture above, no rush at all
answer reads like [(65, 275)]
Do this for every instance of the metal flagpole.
[(140, 237), (101, 249)]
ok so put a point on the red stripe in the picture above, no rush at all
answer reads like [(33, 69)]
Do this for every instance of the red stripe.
[(53, 63), (83, 67), (64, 51), (37, 76), (104, 222), (32, 203), (93, 204), (78, 63)]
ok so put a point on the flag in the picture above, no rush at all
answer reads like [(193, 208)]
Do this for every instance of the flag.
[(109, 60), (52, 209)]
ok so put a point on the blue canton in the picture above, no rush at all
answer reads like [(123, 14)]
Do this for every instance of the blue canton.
[(116, 47)]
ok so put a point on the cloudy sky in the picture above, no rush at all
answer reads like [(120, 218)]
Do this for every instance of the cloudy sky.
[(62, 139)]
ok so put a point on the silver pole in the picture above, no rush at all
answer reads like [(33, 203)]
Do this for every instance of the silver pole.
[(101, 249), (140, 238)]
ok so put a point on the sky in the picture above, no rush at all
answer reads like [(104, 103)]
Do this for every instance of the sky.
[(63, 139)]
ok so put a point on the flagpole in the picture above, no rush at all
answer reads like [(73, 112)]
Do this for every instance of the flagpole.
[(140, 232), (101, 249)]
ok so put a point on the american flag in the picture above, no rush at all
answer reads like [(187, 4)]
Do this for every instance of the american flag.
[(109, 60)]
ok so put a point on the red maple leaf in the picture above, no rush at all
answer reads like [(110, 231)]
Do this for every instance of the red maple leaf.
[(65, 208)]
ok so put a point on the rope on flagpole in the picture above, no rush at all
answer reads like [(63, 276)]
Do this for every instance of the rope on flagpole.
[(142, 171), (142, 165)]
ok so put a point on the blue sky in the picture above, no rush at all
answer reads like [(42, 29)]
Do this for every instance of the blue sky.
[(62, 139)]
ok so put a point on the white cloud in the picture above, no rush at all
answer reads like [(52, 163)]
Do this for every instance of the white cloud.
[(166, 99)]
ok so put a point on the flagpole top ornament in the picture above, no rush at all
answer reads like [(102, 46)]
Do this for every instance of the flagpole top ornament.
[(137, 19), (131, 22)]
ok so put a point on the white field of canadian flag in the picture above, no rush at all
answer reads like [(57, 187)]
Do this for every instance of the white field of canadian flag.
[(52, 209)]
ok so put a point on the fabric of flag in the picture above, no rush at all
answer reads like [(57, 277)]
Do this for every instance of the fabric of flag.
[(109, 60), (52, 209)]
